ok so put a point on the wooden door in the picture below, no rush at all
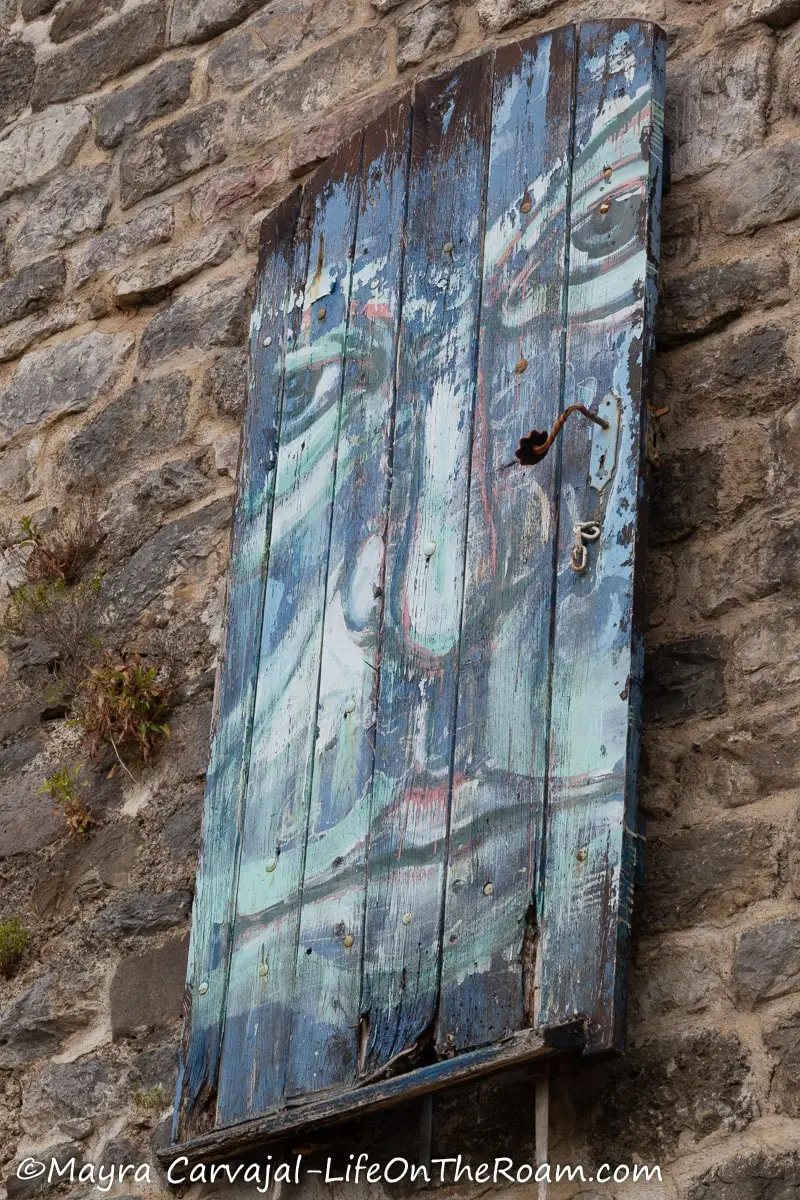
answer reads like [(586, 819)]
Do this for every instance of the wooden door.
[(420, 826)]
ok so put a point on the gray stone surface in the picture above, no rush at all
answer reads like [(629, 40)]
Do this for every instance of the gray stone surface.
[(148, 418), (134, 38), (783, 1045), (147, 989), (282, 28), (35, 149), (198, 20), (707, 873), (761, 189), (767, 961), (156, 277), (70, 207), (708, 298), (150, 227), (190, 735), (129, 588), (685, 679), (139, 507), (217, 315), (181, 830), (78, 16), (140, 914), (338, 71), (62, 1091), (430, 29), (172, 152), (716, 106), (125, 112), (225, 382), (761, 1175), (19, 474), (495, 14), (17, 69), (36, 1024), (32, 289), (18, 337), (685, 493), (776, 13), (62, 1151), (672, 1091), (62, 379), (31, 9), (83, 871)]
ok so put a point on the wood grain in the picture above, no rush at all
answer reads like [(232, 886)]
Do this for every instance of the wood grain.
[(501, 732), (425, 559), (325, 1030), (212, 914), (590, 830), (261, 983)]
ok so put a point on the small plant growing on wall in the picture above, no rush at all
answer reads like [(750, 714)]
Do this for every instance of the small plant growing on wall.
[(123, 707), (13, 944), (64, 787)]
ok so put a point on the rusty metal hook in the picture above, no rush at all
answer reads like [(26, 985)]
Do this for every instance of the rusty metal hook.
[(534, 445)]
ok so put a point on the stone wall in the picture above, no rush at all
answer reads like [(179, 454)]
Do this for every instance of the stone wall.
[(142, 141)]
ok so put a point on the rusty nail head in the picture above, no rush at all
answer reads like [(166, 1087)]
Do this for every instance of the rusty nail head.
[(522, 366), (608, 172), (203, 989), (349, 941), (605, 207), (322, 314), (526, 205)]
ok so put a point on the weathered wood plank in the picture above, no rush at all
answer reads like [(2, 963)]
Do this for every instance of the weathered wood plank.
[(425, 559), (590, 831), (501, 739), (212, 914), (228, 1144), (261, 983), (325, 1031)]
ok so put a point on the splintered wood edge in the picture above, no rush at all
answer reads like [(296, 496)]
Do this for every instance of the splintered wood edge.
[(234, 1140)]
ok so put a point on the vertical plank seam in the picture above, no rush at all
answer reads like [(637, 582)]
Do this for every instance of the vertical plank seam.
[(315, 711), (245, 772), (385, 536), (541, 882), (491, 56)]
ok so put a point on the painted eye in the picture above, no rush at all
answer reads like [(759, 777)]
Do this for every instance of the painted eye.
[(610, 225)]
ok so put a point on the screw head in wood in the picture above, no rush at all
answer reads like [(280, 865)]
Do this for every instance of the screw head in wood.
[(608, 172), (429, 549), (448, 248), (268, 340), (270, 865), (582, 854), (349, 941), (407, 918), (322, 314), (349, 706), (526, 204), (203, 988), (604, 207), (522, 366), (488, 888), (263, 969)]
